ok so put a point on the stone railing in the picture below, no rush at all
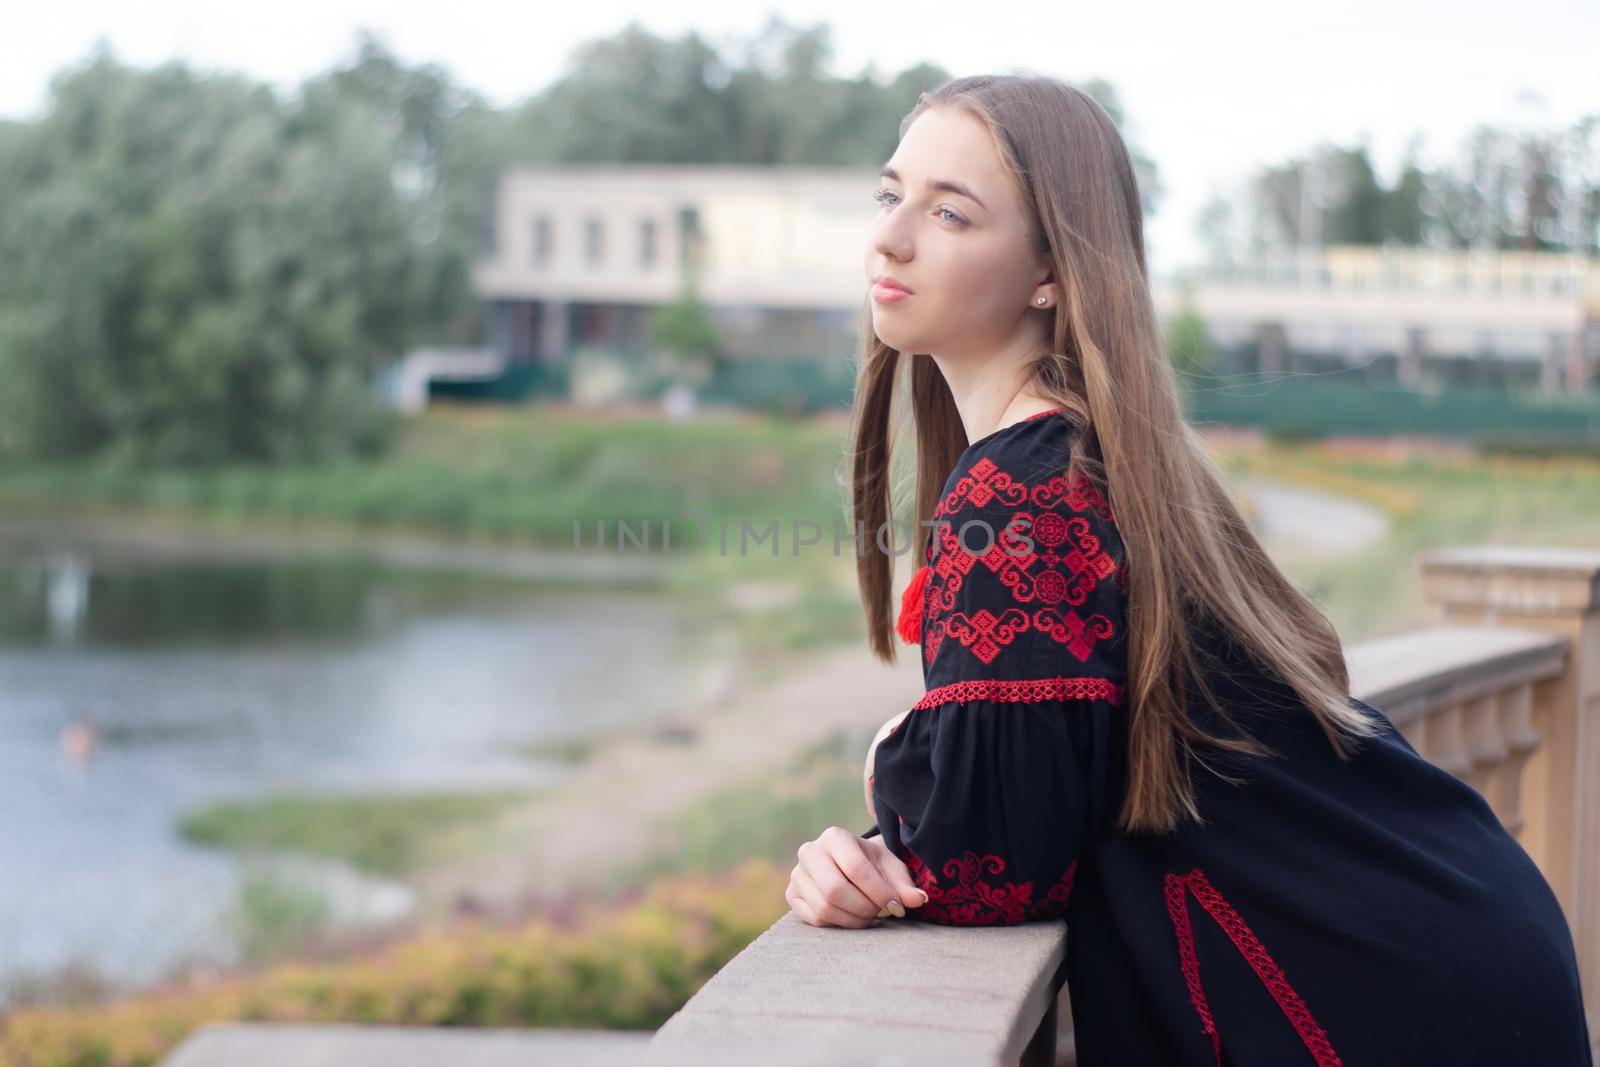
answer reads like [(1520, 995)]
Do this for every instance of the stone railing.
[(1531, 742), (1502, 690)]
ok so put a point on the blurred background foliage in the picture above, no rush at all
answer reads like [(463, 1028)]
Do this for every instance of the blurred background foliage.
[(193, 269)]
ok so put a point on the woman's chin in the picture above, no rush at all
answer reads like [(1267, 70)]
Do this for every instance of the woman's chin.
[(896, 339)]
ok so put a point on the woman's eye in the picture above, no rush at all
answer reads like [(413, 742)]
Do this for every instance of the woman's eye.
[(883, 195)]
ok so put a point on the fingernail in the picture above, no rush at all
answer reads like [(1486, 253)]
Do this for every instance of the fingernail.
[(923, 896), (897, 909), (876, 922)]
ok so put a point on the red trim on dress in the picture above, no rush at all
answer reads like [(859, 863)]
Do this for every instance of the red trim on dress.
[(971, 895), (1254, 953), (1022, 690)]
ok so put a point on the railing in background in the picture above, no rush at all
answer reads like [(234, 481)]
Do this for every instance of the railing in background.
[(1551, 801)]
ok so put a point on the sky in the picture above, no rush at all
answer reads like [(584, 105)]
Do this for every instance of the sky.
[(1211, 91)]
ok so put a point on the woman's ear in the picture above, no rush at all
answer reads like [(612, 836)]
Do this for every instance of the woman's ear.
[(1046, 293)]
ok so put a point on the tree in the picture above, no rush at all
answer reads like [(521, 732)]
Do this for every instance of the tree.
[(192, 269), (191, 272), (685, 334), (1509, 188), (1189, 342)]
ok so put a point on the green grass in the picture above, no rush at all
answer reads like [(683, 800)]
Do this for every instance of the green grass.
[(1431, 503), (272, 916), (382, 834), (565, 750), (519, 475)]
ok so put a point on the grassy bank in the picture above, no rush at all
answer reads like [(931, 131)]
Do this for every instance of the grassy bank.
[(1432, 501), (521, 478), (516, 475), (381, 834), (278, 914)]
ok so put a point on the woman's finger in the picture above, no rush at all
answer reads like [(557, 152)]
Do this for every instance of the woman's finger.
[(857, 858), (897, 874), (833, 887), (800, 907), (822, 911)]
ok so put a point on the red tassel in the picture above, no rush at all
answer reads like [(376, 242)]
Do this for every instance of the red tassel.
[(910, 625)]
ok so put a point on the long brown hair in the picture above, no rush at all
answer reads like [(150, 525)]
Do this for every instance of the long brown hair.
[(1108, 368)]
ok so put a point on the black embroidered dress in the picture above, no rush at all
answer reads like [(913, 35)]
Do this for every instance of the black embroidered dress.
[(1370, 912)]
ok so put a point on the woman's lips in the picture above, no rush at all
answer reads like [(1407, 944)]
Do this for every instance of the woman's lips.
[(887, 294)]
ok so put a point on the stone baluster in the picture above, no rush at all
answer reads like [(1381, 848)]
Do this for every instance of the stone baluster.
[(1558, 591)]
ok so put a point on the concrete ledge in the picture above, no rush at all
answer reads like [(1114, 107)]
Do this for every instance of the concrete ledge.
[(237, 1044), (1409, 673), (267, 1044), (909, 989)]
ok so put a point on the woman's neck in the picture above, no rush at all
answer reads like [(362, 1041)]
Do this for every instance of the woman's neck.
[(979, 422)]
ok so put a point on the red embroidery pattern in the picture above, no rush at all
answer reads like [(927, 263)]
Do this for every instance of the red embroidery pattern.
[(932, 638), (1049, 532), (983, 482), (1253, 951), (1079, 495), (1061, 572), (944, 581), (986, 633), (1074, 631), (970, 898), (1028, 690)]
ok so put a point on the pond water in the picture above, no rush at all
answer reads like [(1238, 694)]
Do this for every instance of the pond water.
[(204, 679)]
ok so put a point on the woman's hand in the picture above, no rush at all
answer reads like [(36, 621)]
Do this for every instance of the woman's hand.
[(845, 880)]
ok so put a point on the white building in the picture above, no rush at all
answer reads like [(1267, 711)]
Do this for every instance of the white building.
[(579, 255)]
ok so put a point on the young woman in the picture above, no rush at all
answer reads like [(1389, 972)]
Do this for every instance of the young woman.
[(1133, 720)]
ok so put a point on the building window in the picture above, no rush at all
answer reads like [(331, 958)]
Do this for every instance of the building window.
[(593, 242), (689, 235), (647, 243), (543, 240)]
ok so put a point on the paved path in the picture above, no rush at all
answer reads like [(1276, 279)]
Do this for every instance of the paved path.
[(1293, 522)]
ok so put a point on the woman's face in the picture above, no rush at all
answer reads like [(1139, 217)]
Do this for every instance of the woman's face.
[(965, 257)]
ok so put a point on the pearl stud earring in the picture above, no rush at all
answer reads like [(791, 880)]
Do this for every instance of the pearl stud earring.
[(1041, 300)]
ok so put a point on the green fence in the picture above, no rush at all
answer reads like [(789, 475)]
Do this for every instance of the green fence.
[(794, 386), (520, 381), (1316, 407), (1301, 406)]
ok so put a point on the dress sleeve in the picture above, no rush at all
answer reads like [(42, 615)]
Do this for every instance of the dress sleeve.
[(1009, 765)]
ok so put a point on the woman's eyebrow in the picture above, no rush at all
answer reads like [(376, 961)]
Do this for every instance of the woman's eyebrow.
[(939, 183)]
